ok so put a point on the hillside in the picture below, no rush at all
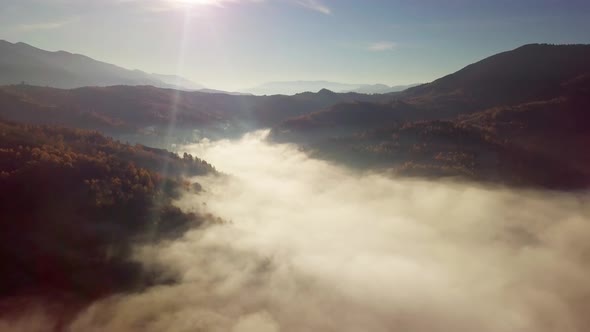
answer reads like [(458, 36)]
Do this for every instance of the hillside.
[(528, 73), (149, 111), (20, 62), (72, 203), (519, 118), (343, 119)]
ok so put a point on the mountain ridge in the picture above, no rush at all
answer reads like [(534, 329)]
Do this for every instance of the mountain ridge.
[(21, 62), (301, 86), (529, 71), (519, 117)]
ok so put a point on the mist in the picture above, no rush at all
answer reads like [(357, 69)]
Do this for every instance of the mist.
[(311, 246)]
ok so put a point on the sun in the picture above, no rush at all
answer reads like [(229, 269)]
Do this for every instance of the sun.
[(200, 2)]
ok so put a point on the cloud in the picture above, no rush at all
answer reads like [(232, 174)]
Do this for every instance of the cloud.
[(311, 246), (45, 25), (314, 5), (382, 46)]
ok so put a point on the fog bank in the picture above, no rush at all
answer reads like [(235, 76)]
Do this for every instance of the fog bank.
[(311, 246)]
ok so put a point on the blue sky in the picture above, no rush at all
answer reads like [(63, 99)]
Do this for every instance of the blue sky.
[(235, 44)]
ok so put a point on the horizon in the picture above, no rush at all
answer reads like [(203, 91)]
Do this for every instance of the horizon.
[(267, 84), (236, 45)]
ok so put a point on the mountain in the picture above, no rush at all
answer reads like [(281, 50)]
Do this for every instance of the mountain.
[(519, 118), (148, 111), (234, 93), (530, 72), (179, 82), (21, 62), (295, 87), (72, 204), (342, 119), (380, 88)]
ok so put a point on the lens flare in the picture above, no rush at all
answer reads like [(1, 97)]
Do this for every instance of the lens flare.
[(201, 2)]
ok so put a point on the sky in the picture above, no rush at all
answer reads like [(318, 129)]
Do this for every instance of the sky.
[(239, 44)]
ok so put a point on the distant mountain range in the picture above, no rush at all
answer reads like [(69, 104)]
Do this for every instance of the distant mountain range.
[(146, 110), (294, 87), (233, 93), (520, 117), (20, 62), (175, 81), (23, 63)]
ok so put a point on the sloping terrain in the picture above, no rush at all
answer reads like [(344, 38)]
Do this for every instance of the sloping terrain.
[(528, 73), (520, 118), (73, 203), (133, 109), (20, 62)]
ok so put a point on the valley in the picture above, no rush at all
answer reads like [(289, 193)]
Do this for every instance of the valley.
[(150, 208)]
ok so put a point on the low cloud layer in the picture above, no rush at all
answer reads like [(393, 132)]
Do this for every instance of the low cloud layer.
[(310, 246)]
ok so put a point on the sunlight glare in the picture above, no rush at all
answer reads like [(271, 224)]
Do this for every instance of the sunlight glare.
[(200, 2)]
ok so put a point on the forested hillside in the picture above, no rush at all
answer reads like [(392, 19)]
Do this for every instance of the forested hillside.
[(518, 118), (73, 202), (150, 111)]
